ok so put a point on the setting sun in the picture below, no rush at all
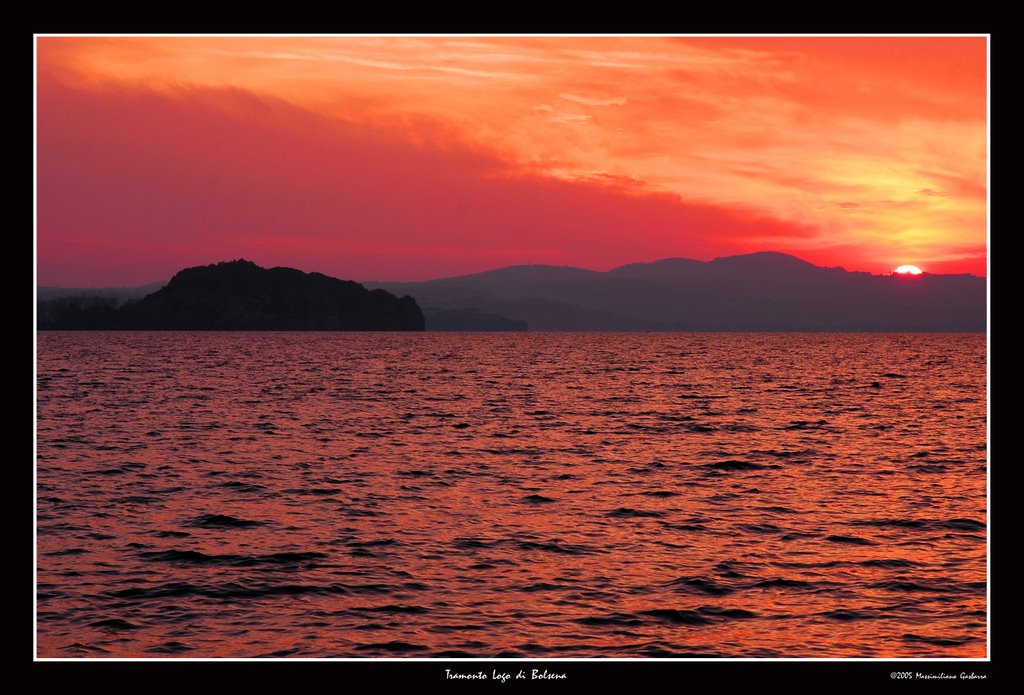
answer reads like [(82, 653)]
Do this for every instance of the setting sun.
[(908, 270)]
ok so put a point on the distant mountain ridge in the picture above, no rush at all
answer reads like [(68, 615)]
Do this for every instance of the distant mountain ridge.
[(238, 296), (121, 294), (766, 291), (470, 320)]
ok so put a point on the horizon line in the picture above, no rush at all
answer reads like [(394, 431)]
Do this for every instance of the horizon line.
[(515, 265)]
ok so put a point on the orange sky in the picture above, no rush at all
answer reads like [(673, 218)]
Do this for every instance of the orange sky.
[(395, 158)]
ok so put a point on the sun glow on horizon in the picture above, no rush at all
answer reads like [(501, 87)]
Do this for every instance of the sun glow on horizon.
[(908, 270)]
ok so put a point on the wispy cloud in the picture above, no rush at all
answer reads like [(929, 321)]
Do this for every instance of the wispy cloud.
[(594, 101), (388, 65)]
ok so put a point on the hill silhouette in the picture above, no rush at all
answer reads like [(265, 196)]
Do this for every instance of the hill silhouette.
[(765, 291), (239, 296)]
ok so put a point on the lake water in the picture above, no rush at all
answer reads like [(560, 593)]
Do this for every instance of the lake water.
[(527, 495)]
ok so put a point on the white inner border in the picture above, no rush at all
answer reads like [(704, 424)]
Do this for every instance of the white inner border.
[(484, 660)]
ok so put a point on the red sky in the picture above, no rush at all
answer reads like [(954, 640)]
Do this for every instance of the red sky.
[(406, 158)]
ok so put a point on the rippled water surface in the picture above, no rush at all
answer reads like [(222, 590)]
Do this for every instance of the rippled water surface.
[(531, 495)]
